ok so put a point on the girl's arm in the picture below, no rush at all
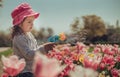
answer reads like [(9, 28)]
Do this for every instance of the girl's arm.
[(24, 48), (46, 47)]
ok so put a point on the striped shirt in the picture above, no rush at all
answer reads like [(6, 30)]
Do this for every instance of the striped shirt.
[(25, 46)]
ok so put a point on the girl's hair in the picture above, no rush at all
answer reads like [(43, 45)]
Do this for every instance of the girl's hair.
[(16, 30)]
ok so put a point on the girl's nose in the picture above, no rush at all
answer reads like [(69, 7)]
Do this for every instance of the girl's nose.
[(32, 24)]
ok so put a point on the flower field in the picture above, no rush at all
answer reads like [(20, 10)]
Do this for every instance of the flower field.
[(73, 61), (104, 59)]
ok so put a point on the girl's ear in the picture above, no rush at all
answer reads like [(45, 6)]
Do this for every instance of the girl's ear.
[(19, 25)]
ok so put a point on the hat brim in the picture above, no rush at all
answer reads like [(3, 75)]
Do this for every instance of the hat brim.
[(19, 19), (36, 15)]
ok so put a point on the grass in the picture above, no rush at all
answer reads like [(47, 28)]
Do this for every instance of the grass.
[(90, 49), (5, 53)]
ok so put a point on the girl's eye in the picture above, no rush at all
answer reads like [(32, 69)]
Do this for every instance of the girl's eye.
[(29, 21)]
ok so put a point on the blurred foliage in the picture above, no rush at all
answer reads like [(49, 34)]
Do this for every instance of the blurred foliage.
[(113, 33), (95, 30), (94, 25), (75, 26), (92, 29), (6, 53), (5, 40), (43, 34), (78, 33), (1, 3)]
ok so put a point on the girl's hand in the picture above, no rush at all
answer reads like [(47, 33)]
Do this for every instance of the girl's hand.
[(49, 46)]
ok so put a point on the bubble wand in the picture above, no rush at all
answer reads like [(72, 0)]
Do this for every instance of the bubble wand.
[(57, 38)]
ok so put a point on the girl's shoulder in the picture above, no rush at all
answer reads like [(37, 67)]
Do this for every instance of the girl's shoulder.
[(30, 35), (19, 37)]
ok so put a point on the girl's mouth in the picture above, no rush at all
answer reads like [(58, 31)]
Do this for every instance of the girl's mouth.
[(30, 27)]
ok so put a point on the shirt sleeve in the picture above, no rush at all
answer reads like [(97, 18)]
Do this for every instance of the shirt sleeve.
[(24, 48), (38, 48), (41, 49)]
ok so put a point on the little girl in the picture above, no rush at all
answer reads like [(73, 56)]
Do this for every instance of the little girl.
[(24, 43)]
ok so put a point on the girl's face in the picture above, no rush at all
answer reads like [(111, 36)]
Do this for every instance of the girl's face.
[(27, 24)]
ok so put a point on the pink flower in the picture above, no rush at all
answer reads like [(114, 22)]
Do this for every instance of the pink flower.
[(44, 67), (81, 47), (12, 65), (109, 49), (90, 64), (118, 58), (67, 70), (58, 56), (115, 73), (68, 61), (108, 59), (4, 75), (96, 50), (116, 49), (66, 49), (102, 66), (75, 57)]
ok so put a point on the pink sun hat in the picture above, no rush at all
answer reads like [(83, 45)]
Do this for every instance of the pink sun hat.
[(21, 11)]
